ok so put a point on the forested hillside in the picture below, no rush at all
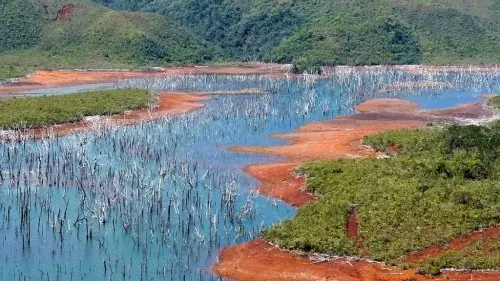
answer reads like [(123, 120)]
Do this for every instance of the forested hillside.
[(68, 34), (341, 31), (58, 33)]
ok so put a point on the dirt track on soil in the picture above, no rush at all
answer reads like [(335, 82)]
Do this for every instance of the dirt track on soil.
[(457, 244), (338, 138)]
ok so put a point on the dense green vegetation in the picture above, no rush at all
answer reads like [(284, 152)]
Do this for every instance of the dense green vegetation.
[(311, 33), (48, 110), (131, 33), (21, 24), (80, 34), (495, 101), (441, 184)]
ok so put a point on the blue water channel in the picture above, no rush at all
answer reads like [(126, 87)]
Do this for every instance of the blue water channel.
[(158, 200)]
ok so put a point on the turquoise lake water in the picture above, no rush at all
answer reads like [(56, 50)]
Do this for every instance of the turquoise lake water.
[(158, 200)]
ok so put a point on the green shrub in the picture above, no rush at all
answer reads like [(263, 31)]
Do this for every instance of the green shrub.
[(483, 254), (494, 102), (48, 110), (20, 24)]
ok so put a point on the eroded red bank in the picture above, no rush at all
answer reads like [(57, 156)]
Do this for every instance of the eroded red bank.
[(339, 138)]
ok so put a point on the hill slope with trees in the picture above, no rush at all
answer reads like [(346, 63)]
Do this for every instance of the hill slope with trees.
[(132, 33), (69, 34), (354, 32)]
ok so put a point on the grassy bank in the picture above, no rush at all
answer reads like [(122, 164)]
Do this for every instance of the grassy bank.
[(48, 110), (441, 184)]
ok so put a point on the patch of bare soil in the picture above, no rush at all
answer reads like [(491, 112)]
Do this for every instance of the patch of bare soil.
[(466, 111), (352, 229), (66, 12), (18, 83), (279, 181)]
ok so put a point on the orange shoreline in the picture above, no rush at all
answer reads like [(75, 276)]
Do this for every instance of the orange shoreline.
[(339, 138), (169, 103), (57, 78), (257, 260)]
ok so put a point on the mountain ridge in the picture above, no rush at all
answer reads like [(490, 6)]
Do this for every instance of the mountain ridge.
[(309, 34)]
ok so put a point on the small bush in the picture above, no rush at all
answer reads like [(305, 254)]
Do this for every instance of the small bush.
[(494, 102)]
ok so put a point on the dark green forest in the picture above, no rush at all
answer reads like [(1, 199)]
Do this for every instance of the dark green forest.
[(345, 32), (138, 33)]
